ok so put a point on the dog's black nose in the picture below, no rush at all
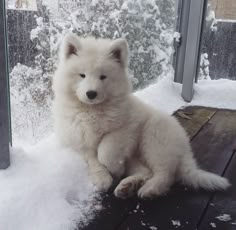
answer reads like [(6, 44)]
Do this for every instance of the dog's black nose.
[(91, 94)]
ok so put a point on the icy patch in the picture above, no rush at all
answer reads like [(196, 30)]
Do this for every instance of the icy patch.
[(46, 187), (143, 223), (224, 217), (176, 223), (213, 225)]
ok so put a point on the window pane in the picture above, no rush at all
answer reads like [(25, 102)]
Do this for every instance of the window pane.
[(218, 49), (35, 32)]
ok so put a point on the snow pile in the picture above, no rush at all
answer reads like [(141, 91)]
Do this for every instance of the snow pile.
[(46, 187), (224, 217), (177, 36), (213, 225), (211, 18), (176, 223), (215, 93), (166, 95), (153, 228)]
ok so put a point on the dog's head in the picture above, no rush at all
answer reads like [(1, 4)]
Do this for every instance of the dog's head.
[(94, 70)]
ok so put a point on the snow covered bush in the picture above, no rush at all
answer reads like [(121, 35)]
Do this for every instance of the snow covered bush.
[(147, 26), (30, 103)]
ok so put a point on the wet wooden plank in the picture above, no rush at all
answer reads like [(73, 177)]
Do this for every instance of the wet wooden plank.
[(113, 213), (216, 142), (194, 118), (213, 147), (222, 204)]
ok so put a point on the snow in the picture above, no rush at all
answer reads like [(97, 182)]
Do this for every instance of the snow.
[(153, 228), (124, 6), (211, 19), (177, 36), (213, 225), (35, 32), (224, 217), (226, 20), (176, 223), (166, 95), (30, 5), (46, 187), (143, 224)]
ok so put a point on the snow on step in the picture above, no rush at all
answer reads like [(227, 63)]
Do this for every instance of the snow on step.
[(224, 217)]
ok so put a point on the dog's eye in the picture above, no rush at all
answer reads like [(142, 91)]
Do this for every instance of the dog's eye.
[(102, 77), (82, 75)]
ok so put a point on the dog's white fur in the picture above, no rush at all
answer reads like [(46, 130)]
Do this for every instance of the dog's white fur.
[(117, 133)]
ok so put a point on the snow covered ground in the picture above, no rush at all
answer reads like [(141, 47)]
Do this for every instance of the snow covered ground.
[(47, 186), (166, 95)]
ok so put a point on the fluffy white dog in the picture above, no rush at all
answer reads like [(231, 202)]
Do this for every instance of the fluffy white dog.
[(119, 136)]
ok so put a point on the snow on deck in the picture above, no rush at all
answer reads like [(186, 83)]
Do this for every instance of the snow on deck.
[(47, 186)]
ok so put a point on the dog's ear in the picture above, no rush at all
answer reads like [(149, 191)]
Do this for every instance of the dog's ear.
[(119, 51), (70, 46)]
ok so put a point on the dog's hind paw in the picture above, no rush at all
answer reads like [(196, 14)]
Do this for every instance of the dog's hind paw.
[(146, 192), (153, 188)]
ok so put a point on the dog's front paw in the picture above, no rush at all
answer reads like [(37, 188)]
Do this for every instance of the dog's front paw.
[(102, 181)]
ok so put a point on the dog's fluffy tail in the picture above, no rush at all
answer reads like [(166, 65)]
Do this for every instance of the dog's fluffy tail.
[(191, 175)]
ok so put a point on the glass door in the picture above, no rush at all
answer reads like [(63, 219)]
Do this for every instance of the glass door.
[(35, 32), (5, 133), (218, 57)]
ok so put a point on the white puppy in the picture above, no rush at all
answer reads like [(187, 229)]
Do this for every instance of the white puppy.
[(96, 114)]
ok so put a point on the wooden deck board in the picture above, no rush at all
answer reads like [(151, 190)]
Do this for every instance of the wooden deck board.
[(113, 213), (213, 148), (213, 135), (193, 119), (223, 203)]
